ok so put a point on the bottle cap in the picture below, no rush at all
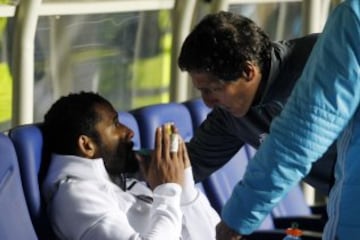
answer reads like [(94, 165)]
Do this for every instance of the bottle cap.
[(294, 230), (168, 127)]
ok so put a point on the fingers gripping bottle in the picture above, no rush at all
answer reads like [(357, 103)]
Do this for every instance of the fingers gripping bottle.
[(293, 233)]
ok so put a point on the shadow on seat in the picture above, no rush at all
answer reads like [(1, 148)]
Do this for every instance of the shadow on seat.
[(15, 222), (28, 143)]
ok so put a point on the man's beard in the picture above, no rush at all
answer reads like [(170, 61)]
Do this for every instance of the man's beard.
[(131, 163), (119, 161)]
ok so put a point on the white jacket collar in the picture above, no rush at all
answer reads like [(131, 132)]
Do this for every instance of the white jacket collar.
[(63, 167)]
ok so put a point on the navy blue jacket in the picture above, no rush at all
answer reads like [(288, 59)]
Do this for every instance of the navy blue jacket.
[(221, 135)]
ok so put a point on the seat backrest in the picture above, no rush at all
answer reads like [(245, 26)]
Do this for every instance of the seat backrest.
[(220, 184), (15, 222), (293, 204), (151, 117), (129, 120), (28, 143), (198, 111)]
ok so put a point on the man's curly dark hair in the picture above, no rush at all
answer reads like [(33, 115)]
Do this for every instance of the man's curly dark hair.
[(68, 118), (222, 43)]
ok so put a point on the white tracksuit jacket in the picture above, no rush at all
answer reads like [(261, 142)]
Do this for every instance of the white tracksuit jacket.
[(83, 203)]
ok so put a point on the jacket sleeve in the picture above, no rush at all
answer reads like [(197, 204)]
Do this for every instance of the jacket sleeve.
[(199, 218), (213, 145), (320, 107)]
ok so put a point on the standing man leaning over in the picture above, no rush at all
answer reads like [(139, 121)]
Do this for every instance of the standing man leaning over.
[(247, 80), (323, 108), (91, 150)]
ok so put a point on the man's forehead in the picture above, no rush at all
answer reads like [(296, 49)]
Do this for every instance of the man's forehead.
[(209, 84), (206, 79), (105, 111)]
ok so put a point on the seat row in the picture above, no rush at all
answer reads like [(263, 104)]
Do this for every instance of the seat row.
[(22, 169)]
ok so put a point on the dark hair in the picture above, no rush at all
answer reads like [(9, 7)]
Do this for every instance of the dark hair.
[(222, 43), (68, 118)]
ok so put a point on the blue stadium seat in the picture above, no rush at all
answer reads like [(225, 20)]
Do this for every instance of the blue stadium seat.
[(294, 208), (220, 184), (15, 222), (198, 111), (129, 120), (150, 117), (287, 206), (28, 143)]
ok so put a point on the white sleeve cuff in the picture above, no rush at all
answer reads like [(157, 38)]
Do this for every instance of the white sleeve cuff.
[(189, 192), (167, 191)]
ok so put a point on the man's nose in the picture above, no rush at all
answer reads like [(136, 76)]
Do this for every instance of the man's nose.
[(130, 134), (127, 132)]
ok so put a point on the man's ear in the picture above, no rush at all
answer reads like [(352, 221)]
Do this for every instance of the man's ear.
[(250, 71), (87, 146)]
